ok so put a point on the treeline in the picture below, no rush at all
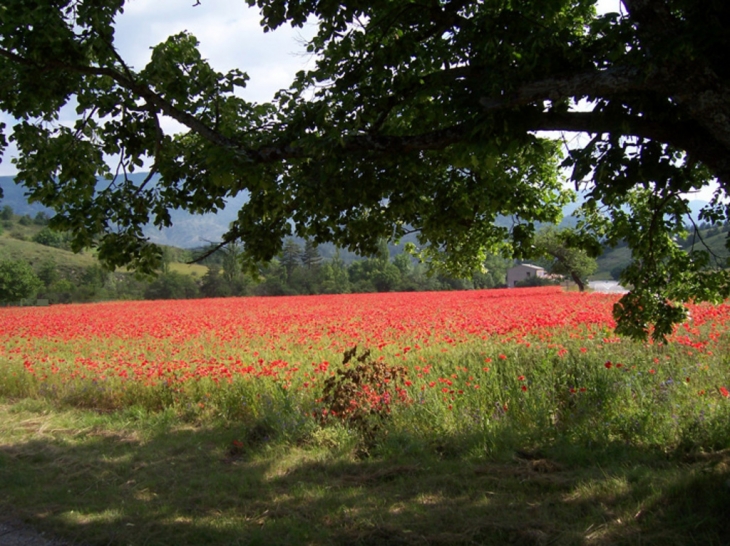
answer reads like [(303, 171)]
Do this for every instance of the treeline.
[(309, 274), (299, 269)]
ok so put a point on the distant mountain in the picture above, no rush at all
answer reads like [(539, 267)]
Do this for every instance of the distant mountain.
[(15, 196), (192, 231), (188, 230)]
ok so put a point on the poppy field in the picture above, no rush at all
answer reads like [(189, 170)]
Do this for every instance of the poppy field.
[(478, 417), (490, 369)]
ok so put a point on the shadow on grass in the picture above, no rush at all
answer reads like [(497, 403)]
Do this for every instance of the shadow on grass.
[(194, 486)]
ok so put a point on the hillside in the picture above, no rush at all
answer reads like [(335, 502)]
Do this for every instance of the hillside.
[(613, 260), (16, 243)]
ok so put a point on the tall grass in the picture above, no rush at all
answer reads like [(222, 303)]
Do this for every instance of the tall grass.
[(494, 396)]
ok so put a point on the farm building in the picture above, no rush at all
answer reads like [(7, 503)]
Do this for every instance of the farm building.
[(523, 272)]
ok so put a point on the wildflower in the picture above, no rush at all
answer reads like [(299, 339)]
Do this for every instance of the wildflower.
[(652, 371), (524, 388), (608, 365), (724, 392), (521, 378), (503, 357)]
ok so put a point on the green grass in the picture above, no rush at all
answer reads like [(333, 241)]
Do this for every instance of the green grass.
[(16, 244), (193, 270), (134, 477), (36, 254)]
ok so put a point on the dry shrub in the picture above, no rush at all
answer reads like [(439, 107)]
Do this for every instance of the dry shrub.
[(362, 393)]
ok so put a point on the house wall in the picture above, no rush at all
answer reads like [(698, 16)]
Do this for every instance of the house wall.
[(522, 272)]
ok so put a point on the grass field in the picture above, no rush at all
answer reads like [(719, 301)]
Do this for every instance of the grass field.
[(482, 417)]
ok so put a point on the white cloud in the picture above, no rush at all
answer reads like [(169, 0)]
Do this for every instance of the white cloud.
[(230, 36)]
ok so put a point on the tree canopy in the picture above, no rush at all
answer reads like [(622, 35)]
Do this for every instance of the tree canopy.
[(564, 260), (17, 281), (426, 115)]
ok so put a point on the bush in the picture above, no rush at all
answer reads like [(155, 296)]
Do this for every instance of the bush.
[(172, 286), (49, 237), (41, 219), (17, 281), (537, 281)]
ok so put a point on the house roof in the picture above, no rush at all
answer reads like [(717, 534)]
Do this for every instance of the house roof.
[(529, 266)]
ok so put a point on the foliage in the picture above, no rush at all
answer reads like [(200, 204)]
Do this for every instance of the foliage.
[(41, 219), (17, 281), (173, 286), (49, 237), (432, 110), (537, 281), (565, 260), (361, 396), (48, 273)]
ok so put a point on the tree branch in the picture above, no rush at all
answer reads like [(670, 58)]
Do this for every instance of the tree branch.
[(685, 135)]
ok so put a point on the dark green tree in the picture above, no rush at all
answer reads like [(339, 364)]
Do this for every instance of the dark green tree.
[(172, 286), (48, 273), (311, 258), (563, 258), (417, 116), (335, 278), (17, 281), (290, 257), (166, 259), (41, 219), (493, 273), (52, 238), (238, 283), (213, 284)]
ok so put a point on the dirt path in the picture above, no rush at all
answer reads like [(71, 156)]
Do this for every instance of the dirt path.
[(15, 533)]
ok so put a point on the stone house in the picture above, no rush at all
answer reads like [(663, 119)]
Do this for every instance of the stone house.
[(523, 272)]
